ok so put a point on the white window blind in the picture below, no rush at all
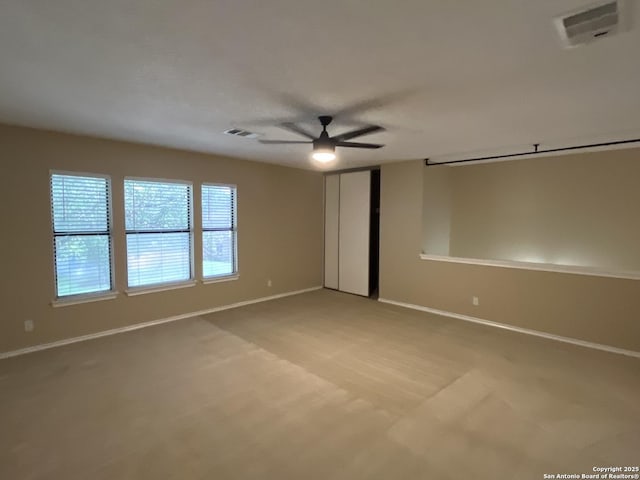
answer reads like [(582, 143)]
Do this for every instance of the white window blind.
[(81, 234), (218, 230), (159, 231)]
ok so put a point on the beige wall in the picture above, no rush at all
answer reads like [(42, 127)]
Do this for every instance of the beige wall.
[(436, 210), (597, 309), (279, 232), (579, 209)]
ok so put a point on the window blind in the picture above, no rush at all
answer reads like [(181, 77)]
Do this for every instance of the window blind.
[(158, 229), (218, 230), (81, 234)]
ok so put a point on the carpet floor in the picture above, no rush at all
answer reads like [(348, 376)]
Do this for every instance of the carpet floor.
[(322, 385)]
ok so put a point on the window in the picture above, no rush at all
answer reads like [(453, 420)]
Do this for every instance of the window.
[(81, 234), (218, 231), (159, 231)]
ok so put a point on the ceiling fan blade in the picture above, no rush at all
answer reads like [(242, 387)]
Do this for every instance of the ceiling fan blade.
[(358, 145), (296, 129), (357, 133), (283, 142), (374, 103)]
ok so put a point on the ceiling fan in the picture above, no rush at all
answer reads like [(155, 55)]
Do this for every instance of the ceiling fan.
[(324, 146)]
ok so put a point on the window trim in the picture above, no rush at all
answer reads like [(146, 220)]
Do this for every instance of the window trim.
[(234, 229), (160, 286), (84, 298), (220, 278), (89, 296)]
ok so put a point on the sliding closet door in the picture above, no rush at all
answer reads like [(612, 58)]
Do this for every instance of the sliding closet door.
[(355, 201), (331, 228)]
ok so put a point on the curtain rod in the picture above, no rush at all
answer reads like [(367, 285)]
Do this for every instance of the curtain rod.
[(535, 152)]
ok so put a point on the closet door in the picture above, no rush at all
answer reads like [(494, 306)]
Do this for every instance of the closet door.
[(331, 228), (355, 201)]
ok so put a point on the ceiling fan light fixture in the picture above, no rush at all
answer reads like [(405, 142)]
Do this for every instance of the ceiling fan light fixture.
[(323, 155)]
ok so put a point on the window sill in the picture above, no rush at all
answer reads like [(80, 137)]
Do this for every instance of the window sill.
[(226, 278), (132, 292), (76, 300), (544, 267)]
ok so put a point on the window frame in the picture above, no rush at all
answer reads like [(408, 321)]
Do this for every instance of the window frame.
[(77, 298), (159, 286), (234, 230)]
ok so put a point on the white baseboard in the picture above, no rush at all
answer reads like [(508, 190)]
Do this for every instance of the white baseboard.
[(537, 333), (137, 326)]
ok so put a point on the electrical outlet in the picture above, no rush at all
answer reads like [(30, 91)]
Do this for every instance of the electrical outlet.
[(269, 283), (28, 326), (475, 301)]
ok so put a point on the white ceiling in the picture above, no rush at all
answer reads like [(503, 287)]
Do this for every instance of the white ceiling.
[(444, 77)]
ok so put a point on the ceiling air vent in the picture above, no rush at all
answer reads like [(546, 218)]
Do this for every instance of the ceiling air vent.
[(238, 132), (585, 25)]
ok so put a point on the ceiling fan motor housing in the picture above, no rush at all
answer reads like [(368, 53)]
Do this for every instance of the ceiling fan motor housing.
[(324, 142)]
